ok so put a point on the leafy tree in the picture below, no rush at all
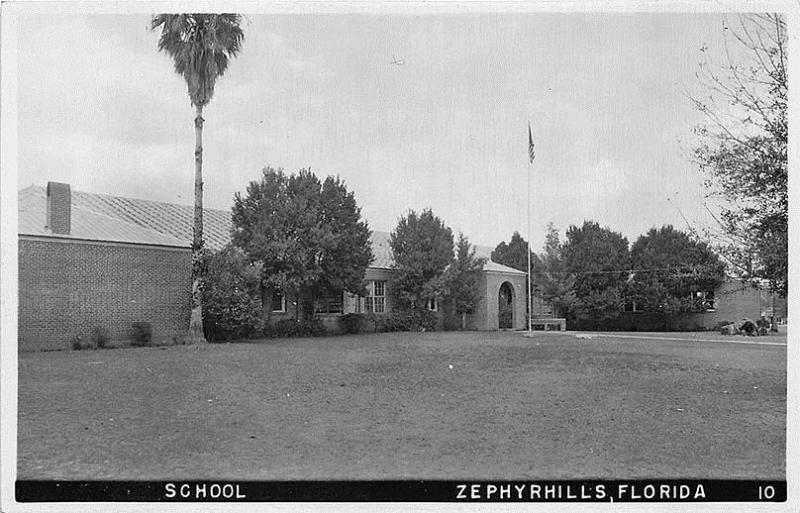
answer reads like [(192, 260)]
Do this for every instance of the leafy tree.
[(463, 279), (668, 266), (551, 277), (742, 148), (346, 249), (423, 248), (201, 46), (599, 259), (307, 236), (514, 254)]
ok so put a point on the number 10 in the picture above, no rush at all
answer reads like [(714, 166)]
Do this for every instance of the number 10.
[(766, 492)]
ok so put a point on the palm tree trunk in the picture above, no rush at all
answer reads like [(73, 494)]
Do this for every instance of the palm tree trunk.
[(195, 334)]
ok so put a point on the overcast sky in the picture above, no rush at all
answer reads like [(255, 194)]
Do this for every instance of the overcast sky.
[(101, 109)]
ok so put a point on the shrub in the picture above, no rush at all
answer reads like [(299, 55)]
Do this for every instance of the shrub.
[(747, 327), (598, 309), (100, 337), (286, 328), (721, 324), (409, 320), (142, 334), (231, 307), (79, 344), (314, 328), (293, 328), (353, 323)]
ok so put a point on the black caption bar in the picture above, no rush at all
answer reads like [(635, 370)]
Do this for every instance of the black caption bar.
[(681, 490)]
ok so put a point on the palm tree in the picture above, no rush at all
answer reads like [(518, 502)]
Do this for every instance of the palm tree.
[(201, 45)]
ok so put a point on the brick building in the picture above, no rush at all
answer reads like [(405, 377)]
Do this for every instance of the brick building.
[(730, 302), (80, 269), (93, 260)]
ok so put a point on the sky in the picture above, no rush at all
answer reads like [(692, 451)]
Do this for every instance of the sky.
[(100, 108)]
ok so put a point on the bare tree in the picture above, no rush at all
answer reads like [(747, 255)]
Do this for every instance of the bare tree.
[(742, 147)]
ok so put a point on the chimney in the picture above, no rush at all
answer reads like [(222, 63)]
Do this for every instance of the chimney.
[(59, 208)]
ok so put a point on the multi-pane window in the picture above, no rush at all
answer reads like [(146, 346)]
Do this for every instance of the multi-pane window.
[(330, 304), (278, 301), (433, 305), (375, 302)]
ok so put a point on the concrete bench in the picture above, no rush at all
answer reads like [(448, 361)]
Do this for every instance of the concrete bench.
[(549, 324)]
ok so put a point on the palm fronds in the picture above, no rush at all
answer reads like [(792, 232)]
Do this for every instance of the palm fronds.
[(201, 46)]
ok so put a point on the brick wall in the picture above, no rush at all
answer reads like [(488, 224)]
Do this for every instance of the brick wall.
[(67, 288), (519, 286), (734, 302)]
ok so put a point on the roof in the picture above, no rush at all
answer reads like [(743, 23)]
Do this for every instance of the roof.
[(86, 224), (102, 217), (382, 251), (491, 265), (165, 218)]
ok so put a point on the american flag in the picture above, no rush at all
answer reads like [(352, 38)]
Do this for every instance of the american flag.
[(531, 154)]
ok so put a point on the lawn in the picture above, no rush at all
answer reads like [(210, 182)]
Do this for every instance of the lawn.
[(430, 405)]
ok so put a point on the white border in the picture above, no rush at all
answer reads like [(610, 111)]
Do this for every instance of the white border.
[(8, 222), (8, 257)]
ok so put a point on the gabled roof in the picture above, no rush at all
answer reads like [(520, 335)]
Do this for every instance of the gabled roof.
[(491, 265), (86, 224), (165, 218), (102, 217)]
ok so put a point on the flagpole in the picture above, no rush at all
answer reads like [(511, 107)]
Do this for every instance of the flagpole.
[(530, 165)]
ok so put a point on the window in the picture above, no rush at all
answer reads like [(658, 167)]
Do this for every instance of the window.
[(433, 305), (330, 304), (355, 300), (278, 301), (375, 302), (706, 299), (358, 303), (633, 306)]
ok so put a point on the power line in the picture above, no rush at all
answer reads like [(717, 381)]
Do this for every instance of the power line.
[(634, 271)]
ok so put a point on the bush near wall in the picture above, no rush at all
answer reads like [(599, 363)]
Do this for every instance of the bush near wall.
[(231, 307), (100, 337), (142, 334), (642, 321), (230, 314), (408, 320), (294, 328), (353, 323)]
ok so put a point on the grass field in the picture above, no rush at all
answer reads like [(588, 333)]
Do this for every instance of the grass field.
[(432, 405)]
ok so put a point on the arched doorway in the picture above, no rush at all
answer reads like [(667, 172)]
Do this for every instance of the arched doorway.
[(505, 310)]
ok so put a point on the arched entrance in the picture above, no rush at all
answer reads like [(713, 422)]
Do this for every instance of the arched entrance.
[(505, 310)]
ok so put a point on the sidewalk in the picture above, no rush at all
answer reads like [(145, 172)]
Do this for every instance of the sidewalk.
[(778, 339)]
